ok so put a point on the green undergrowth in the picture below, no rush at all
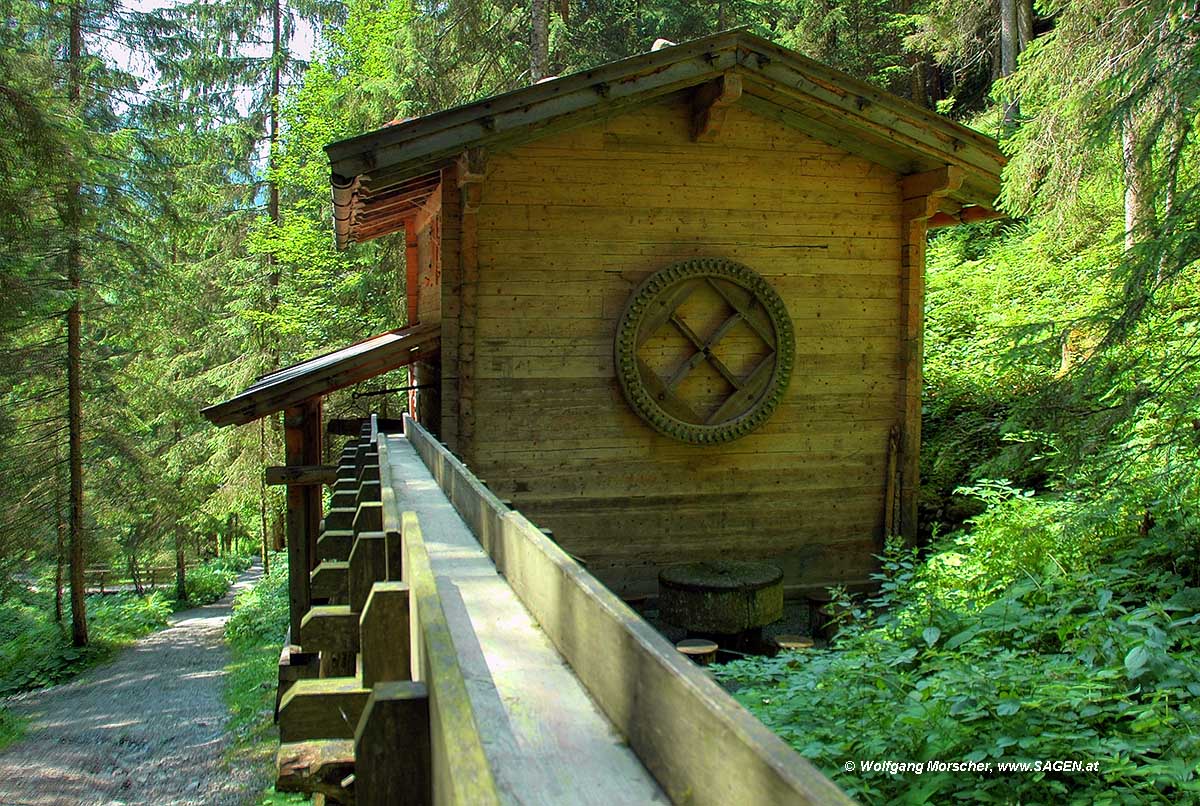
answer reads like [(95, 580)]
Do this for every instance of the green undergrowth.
[(11, 728), (1049, 631), (256, 632), (208, 582)]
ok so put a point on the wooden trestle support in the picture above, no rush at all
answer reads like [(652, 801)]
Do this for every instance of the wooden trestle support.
[(353, 725)]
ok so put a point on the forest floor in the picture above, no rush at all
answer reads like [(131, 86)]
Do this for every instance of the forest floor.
[(149, 727)]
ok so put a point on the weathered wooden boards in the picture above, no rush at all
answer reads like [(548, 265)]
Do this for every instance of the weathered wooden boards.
[(701, 745), (568, 226)]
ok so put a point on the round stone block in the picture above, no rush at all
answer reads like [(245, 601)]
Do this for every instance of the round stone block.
[(723, 596)]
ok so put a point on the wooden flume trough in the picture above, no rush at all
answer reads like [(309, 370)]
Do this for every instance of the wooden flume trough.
[(409, 725)]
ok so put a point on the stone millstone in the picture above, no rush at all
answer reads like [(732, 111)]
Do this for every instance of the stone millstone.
[(725, 597)]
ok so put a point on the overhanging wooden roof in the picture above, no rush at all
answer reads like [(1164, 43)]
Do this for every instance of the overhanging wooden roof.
[(286, 387), (778, 83)]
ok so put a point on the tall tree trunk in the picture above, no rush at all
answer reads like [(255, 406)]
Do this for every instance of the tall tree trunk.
[(60, 537), (262, 494), (1010, 45), (539, 39), (1139, 197), (1024, 24), (180, 565), (79, 629)]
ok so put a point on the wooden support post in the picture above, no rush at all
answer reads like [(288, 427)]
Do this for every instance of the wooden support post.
[(302, 446), (392, 761), (471, 168), (920, 194), (412, 263), (368, 565), (384, 635)]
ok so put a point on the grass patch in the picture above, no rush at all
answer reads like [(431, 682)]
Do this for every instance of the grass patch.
[(256, 631), (11, 728)]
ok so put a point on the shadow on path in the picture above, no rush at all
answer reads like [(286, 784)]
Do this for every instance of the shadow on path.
[(146, 728)]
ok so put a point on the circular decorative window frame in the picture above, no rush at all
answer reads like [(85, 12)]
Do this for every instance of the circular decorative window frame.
[(634, 386)]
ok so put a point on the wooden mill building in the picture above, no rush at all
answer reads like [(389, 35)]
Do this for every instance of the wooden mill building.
[(769, 403), (667, 310)]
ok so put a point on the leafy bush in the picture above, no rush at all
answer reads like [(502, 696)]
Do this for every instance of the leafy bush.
[(260, 614), (208, 582), (982, 652)]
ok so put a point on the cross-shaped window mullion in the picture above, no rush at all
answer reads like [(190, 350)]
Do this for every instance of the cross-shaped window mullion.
[(704, 351)]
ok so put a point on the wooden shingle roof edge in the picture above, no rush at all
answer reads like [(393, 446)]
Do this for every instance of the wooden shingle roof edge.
[(326, 373), (778, 83)]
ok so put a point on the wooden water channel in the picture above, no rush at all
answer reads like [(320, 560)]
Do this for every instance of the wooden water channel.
[(462, 657)]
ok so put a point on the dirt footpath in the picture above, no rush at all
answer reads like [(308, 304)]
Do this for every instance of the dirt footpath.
[(146, 728)]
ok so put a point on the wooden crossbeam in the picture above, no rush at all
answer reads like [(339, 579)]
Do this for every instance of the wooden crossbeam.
[(330, 581), (315, 767), (328, 708), (329, 628), (334, 544), (301, 474)]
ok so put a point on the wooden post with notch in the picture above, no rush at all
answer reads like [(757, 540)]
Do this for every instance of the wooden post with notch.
[(471, 167), (392, 755), (921, 194)]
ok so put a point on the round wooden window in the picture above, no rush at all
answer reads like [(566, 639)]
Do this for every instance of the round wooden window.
[(704, 350)]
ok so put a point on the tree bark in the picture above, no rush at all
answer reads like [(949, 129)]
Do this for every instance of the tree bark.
[(1009, 48), (180, 565), (1139, 197), (73, 214), (1024, 24), (60, 538), (262, 495), (539, 39)]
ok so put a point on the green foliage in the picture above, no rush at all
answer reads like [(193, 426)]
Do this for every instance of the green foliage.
[(11, 728), (1012, 642), (255, 632), (39, 652), (208, 582), (260, 614)]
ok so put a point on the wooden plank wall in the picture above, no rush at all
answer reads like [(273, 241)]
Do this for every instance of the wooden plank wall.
[(568, 227)]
